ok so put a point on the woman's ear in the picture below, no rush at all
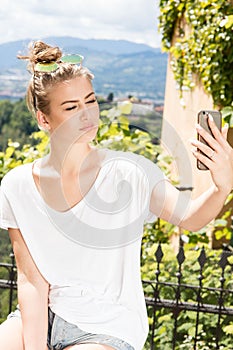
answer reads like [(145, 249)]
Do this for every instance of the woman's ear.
[(42, 121)]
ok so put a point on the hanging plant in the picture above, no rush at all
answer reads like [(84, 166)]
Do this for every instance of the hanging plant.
[(199, 36)]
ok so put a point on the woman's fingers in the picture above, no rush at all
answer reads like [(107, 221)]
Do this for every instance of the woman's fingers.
[(204, 154), (208, 151), (209, 139), (219, 135), (216, 154), (225, 131), (218, 139), (215, 147), (206, 160)]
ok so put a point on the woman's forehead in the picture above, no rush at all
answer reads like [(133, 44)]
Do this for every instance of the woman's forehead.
[(76, 87)]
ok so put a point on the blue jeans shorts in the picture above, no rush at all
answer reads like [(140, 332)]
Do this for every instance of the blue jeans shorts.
[(62, 334)]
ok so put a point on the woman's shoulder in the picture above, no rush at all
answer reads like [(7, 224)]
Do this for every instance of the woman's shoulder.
[(127, 162), (17, 174), (132, 158), (135, 164), (122, 155)]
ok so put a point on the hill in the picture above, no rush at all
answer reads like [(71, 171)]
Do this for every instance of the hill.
[(122, 67)]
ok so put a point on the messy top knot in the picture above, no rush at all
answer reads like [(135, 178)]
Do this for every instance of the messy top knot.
[(42, 83), (41, 52)]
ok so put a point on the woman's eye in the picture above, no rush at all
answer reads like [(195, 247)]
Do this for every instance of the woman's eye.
[(71, 108), (91, 101)]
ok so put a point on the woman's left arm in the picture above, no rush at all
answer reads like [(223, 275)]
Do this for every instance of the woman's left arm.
[(192, 214)]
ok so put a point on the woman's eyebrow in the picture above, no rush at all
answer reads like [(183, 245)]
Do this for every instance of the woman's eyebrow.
[(88, 95), (76, 101), (69, 101)]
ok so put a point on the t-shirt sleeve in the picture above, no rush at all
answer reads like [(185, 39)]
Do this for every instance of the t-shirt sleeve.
[(7, 218), (153, 175)]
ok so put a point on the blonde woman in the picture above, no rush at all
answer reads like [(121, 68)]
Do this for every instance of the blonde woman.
[(75, 218)]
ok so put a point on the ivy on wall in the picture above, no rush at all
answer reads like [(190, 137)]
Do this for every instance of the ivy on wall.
[(199, 36)]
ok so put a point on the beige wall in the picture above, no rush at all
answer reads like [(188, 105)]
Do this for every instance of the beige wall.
[(179, 126)]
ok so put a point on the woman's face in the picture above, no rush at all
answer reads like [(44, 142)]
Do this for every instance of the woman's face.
[(74, 111)]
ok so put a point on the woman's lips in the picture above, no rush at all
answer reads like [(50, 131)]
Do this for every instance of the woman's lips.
[(87, 127)]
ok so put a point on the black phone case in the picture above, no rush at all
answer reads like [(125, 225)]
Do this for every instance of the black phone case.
[(203, 121)]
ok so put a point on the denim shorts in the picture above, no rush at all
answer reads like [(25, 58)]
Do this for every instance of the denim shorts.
[(62, 334)]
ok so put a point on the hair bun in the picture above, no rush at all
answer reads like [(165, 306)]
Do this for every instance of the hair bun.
[(41, 52)]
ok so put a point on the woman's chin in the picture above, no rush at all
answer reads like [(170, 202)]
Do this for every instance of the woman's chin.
[(88, 136)]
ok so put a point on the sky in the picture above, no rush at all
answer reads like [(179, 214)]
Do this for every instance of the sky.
[(133, 20)]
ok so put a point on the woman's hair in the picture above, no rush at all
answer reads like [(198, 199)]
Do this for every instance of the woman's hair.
[(41, 83)]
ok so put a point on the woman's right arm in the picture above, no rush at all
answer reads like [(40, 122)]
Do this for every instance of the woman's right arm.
[(32, 295)]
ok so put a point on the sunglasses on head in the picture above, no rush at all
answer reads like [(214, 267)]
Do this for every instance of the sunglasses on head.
[(48, 67)]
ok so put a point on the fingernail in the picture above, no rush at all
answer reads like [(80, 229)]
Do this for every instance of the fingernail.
[(198, 126), (193, 142), (210, 117)]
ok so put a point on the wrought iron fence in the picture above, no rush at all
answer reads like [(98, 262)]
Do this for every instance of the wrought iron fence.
[(10, 281), (197, 296), (156, 299)]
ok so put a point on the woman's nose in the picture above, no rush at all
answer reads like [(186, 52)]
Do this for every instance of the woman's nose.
[(83, 114)]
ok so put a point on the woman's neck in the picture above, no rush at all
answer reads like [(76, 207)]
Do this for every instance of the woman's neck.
[(68, 160)]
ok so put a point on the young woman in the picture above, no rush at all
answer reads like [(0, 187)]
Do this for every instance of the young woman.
[(75, 218)]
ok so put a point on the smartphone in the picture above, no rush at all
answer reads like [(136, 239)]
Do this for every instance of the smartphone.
[(202, 119)]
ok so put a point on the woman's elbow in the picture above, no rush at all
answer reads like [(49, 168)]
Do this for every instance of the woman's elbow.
[(191, 226), (33, 280)]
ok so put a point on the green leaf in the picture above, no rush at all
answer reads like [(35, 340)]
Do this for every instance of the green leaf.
[(164, 318), (220, 222), (191, 331), (104, 113), (225, 232), (198, 36), (9, 152), (228, 329), (124, 122), (103, 130), (229, 198), (227, 114), (229, 22), (125, 107)]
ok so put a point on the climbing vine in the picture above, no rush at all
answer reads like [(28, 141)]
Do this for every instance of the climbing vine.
[(199, 36)]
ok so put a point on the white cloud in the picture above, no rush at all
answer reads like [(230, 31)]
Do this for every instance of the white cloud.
[(134, 20)]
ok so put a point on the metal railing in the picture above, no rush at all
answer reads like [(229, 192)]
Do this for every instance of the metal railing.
[(175, 305), (10, 281), (199, 295)]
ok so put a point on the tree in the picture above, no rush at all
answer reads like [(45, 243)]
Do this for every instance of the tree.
[(16, 123), (110, 97), (199, 36), (6, 108)]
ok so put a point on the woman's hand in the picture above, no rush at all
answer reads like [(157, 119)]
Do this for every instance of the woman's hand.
[(218, 156)]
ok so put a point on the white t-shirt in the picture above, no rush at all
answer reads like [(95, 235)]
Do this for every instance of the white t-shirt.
[(90, 254)]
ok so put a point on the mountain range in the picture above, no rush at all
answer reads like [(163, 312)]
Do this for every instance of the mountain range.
[(120, 67)]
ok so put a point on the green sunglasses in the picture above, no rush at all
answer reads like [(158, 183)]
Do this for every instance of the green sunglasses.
[(50, 67)]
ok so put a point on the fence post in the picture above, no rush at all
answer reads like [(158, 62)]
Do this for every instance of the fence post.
[(159, 256), (12, 280), (222, 263), (201, 261), (180, 258)]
